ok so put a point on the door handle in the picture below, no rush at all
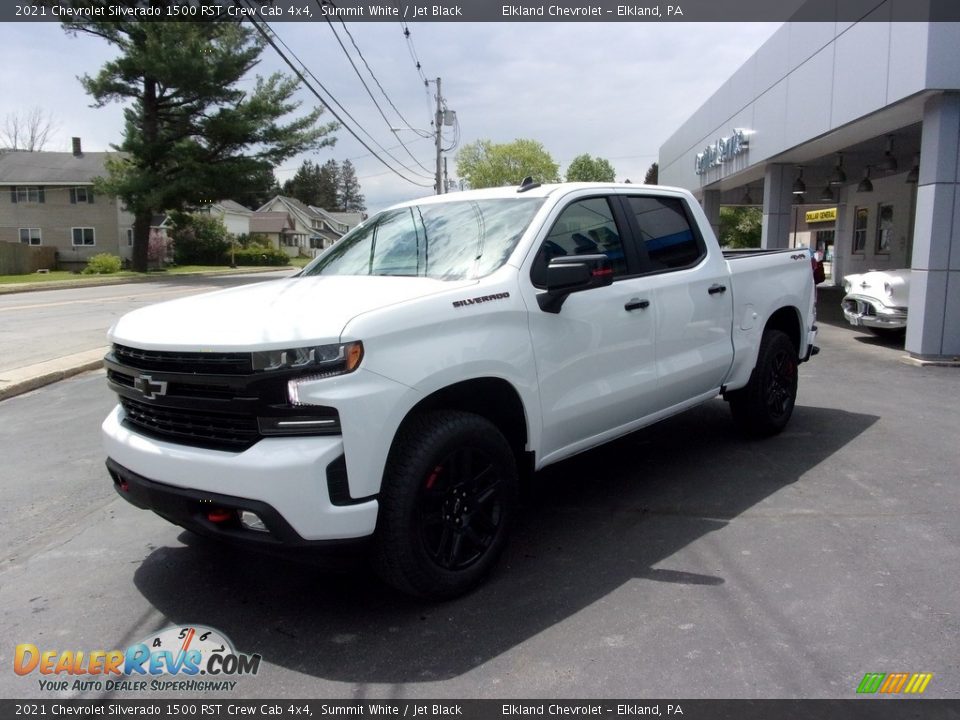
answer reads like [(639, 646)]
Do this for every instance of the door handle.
[(714, 289), (636, 304)]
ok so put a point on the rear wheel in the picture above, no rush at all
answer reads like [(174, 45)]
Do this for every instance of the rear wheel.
[(449, 495), (764, 406)]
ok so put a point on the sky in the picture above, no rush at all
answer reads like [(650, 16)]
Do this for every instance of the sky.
[(614, 90)]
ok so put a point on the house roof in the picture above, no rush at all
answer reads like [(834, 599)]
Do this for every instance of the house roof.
[(270, 222), (51, 168), (233, 206), (350, 219)]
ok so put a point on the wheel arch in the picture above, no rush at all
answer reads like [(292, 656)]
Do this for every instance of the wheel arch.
[(787, 320), (492, 398)]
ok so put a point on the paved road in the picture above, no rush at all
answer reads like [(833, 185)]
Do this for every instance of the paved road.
[(680, 561), (49, 324)]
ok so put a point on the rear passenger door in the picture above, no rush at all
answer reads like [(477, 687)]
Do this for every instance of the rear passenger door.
[(690, 294)]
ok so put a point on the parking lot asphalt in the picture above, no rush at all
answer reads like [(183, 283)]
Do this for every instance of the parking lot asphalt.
[(680, 561)]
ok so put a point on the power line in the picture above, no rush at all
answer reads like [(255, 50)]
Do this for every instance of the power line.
[(366, 87), (416, 61), (409, 124), (269, 36)]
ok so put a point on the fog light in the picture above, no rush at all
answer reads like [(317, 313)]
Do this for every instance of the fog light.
[(252, 521)]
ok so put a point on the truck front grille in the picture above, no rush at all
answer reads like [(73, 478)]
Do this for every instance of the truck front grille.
[(219, 431), (213, 401), (219, 363)]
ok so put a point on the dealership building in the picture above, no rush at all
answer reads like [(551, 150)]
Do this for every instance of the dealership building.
[(849, 135)]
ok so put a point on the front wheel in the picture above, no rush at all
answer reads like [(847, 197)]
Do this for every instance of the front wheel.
[(448, 497), (764, 406)]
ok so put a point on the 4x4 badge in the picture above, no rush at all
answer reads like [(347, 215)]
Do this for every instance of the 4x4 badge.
[(149, 387)]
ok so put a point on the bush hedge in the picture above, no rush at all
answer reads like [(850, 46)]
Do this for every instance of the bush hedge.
[(103, 264)]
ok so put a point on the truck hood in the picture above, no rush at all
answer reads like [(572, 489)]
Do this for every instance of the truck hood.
[(269, 315)]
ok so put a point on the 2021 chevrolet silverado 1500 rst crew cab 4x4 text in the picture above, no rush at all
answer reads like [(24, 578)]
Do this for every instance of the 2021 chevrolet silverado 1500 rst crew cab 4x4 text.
[(392, 389)]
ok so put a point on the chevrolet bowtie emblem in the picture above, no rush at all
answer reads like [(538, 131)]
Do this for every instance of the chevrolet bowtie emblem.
[(149, 387)]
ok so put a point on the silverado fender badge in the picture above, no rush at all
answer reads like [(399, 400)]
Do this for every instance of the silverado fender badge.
[(481, 299), (149, 387)]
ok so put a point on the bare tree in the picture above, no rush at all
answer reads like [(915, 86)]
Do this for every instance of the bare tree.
[(29, 130)]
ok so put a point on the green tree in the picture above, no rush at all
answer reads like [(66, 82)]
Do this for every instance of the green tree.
[(349, 195), (653, 175), (485, 164), (305, 184), (329, 182), (584, 168), (740, 227), (191, 134), (265, 188), (199, 239)]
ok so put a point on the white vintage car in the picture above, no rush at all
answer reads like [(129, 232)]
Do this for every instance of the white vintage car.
[(877, 300)]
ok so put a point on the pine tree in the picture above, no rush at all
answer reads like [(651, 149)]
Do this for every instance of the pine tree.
[(191, 134), (349, 195), (329, 183)]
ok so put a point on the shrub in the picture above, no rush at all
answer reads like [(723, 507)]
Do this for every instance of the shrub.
[(258, 255), (200, 240), (158, 248), (103, 264)]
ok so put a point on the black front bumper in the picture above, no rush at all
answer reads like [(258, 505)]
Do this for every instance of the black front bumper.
[(218, 516)]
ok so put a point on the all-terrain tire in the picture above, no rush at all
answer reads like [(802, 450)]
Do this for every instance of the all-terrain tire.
[(763, 407), (448, 498)]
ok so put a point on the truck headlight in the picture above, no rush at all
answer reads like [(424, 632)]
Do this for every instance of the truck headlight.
[(888, 289), (335, 359)]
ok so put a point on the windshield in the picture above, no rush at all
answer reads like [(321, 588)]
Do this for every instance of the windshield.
[(458, 240)]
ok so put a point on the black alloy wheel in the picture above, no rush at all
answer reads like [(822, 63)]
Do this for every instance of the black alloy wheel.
[(449, 494)]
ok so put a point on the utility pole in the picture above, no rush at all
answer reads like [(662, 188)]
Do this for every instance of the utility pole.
[(446, 178), (438, 126)]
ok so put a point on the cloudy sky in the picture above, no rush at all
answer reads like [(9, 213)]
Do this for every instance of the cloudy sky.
[(616, 90)]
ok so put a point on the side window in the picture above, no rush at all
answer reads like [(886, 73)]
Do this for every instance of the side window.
[(665, 232), (586, 227)]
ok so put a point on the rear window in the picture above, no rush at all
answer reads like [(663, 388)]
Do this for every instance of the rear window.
[(665, 232), (457, 240)]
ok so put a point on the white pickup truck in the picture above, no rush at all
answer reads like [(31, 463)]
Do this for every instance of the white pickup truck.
[(397, 389)]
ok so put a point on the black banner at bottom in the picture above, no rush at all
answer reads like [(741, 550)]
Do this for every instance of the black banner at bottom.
[(209, 709)]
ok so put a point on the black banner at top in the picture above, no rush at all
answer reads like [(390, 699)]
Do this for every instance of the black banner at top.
[(485, 11)]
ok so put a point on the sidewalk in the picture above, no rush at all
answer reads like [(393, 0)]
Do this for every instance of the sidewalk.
[(31, 377)]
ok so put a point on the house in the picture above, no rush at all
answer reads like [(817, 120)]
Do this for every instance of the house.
[(278, 227), (47, 199), (235, 216), (311, 229)]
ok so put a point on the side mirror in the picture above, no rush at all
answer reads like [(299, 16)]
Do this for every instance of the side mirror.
[(573, 273)]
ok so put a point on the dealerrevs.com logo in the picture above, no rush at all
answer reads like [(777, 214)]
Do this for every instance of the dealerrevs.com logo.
[(175, 659)]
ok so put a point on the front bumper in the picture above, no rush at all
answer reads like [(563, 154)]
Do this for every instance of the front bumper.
[(288, 475), (864, 311)]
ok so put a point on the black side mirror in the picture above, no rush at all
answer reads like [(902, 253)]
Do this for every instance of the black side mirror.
[(573, 273)]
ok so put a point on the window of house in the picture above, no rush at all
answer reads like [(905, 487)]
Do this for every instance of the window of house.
[(884, 228), (585, 227), (30, 236), (129, 237), (81, 195), (666, 233), (26, 194), (83, 236), (860, 218)]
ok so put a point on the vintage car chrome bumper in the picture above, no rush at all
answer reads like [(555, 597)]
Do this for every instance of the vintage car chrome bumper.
[(864, 311)]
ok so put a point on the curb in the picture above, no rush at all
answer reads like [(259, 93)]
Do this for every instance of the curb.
[(22, 380), (103, 282)]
